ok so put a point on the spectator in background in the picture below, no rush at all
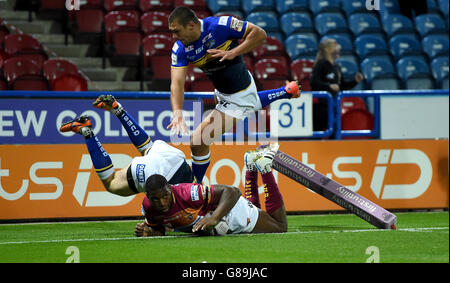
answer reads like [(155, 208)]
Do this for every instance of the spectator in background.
[(327, 76)]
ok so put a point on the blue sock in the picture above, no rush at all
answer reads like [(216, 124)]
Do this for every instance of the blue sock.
[(100, 158), (269, 96), (199, 166), (137, 135)]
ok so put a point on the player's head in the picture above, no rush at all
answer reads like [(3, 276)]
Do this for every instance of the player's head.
[(183, 23), (329, 49), (159, 192)]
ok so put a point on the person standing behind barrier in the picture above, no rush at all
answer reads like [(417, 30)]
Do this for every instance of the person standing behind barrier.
[(327, 76)]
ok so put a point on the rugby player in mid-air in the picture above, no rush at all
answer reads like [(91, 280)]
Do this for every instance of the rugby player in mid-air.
[(218, 209), (212, 44), (157, 157)]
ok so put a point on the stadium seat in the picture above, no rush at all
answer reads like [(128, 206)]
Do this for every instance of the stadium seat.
[(3, 57), (270, 47), (120, 20), (294, 22), (55, 67), (156, 5), (327, 23), (250, 6), (353, 6), (348, 103), (388, 7), (266, 20), (357, 119), (323, 6), (4, 31), (377, 67), (435, 45), (24, 74), (195, 5), (271, 73), (122, 5), (368, 44), (299, 45), (415, 73), (197, 80), (386, 83), (348, 68), (301, 70), (443, 6), (25, 45), (52, 5), (439, 68), (3, 84), (157, 48), (397, 24), (69, 82), (232, 13), (430, 23), (361, 23), (291, 6), (15, 67), (88, 24), (155, 22), (403, 45), (224, 6)]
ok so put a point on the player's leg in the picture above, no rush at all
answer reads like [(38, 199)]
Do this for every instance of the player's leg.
[(113, 181), (251, 178), (137, 135), (291, 90), (274, 218), (211, 129)]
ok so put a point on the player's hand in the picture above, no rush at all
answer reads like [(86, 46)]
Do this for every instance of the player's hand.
[(141, 230), (222, 54), (178, 125), (204, 223)]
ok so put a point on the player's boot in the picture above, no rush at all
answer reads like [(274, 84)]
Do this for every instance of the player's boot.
[(293, 88), (76, 124), (264, 162), (108, 103)]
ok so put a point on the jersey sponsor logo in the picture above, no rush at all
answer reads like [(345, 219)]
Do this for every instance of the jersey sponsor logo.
[(140, 173), (236, 24), (223, 20), (194, 193), (174, 59)]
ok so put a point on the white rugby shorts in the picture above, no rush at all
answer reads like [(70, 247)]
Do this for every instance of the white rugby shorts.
[(240, 104), (242, 217)]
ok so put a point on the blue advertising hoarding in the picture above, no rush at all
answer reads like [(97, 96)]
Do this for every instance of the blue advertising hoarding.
[(37, 121)]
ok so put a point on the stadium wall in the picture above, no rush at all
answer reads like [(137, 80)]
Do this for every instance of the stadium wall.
[(48, 175)]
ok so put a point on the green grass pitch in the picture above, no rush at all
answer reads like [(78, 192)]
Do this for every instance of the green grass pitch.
[(334, 238)]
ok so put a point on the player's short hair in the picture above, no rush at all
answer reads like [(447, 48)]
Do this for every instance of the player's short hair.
[(155, 182), (183, 15)]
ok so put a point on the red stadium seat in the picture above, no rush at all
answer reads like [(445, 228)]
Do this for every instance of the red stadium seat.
[(156, 5), (89, 20), (53, 4), (202, 85), (3, 57), (16, 67), (69, 82), (267, 69), (30, 83), (157, 45), (4, 31), (155, 22), (350, 103), (357, 119), (55, 67), (120, 20), (196, 5), (301, 70), (3, 84), (271, 47), (249, 63), (122, 5), (127, 42), (24, 45)]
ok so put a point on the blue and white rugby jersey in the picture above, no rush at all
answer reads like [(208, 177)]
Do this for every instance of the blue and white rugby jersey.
[(229, 76)]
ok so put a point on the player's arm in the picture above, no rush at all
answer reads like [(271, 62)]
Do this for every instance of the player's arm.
[(253, 37), (178, 79), (225, 197)]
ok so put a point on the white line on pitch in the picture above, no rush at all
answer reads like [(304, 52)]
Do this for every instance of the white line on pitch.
[(424, 229)]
